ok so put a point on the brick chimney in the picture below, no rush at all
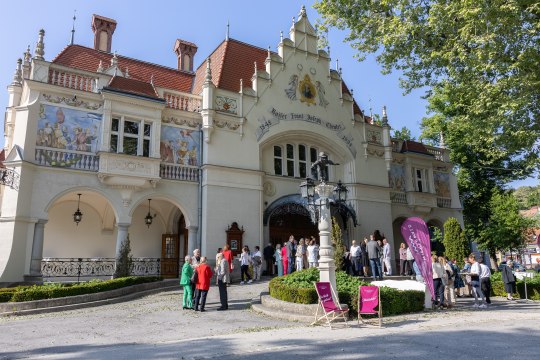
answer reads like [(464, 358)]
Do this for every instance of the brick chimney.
[(103, 29), (185, 52)]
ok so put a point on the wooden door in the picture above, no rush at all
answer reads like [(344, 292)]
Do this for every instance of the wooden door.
[(169, 255)]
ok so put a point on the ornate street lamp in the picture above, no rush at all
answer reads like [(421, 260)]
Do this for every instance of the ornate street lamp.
[(321, 213), (149, 218), (77, 215)]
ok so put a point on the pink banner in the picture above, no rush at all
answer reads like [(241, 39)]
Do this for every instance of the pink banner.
[(369, 299), (416, 234)]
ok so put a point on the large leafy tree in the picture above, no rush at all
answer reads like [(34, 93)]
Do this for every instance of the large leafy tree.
[(506, 229), (480, 60)]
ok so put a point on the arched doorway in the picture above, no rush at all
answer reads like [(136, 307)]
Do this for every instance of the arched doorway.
[(291, 219)]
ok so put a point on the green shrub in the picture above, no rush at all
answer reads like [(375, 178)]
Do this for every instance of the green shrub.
[(533, 287), (57, 290), (298, 288)]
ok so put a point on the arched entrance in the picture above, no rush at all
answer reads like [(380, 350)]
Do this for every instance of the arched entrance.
[(291, 219)]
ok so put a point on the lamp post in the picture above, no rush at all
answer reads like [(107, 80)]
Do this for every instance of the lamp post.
[(321, 214)]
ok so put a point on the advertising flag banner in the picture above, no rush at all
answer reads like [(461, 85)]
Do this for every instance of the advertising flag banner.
[(416, 234)]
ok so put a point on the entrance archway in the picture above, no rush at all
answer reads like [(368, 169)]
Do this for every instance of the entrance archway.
[(291, 219)]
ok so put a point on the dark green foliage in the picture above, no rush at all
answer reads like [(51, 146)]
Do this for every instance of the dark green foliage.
[(533, 287), (337, 243), (455, 243), (57, 290), (298, 288), (124, 260)]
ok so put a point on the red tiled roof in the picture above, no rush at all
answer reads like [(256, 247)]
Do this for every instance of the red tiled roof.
[(84, 58), (414, 146), (133, 86), (231, 61), (356, 108)]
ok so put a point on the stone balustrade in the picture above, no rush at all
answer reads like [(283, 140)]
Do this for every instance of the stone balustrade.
[(72, 79), (179, 172), (185, 102), (69, 159)]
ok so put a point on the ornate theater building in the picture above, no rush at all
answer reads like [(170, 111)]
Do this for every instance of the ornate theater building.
[(99, 145)]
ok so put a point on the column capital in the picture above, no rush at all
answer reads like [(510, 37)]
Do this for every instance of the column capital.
[(123, 226), (42, 221)]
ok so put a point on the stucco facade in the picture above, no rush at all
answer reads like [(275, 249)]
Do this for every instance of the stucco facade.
[(232, 148)]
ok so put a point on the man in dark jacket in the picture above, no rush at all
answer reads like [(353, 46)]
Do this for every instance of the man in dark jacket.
[(291, 252), (374, 252), (268, 254)]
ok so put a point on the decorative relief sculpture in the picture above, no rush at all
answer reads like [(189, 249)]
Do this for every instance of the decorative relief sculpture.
[(226, 104), (291, 91), (374, 137), (71, 101), (172, 120)]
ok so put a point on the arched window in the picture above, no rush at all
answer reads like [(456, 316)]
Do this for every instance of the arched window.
[(302, 164), (290, 160)]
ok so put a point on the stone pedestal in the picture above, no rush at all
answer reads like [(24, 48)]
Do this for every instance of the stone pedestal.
[(327, 266)]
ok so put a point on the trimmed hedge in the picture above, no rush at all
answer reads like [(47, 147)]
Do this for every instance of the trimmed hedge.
[(57, 290), (533, 287), (298, 288)]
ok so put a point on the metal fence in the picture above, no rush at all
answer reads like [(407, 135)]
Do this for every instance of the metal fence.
[(71, 268)]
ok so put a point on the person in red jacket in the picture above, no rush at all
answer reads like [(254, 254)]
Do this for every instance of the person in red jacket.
[(204, 275), (227, 255)]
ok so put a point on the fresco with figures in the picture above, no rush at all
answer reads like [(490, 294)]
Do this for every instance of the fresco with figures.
[(442, 184), (68, 129), (397, 177), (179, 146)]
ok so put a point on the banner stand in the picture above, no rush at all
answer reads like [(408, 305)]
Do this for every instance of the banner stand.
[(428, 303)]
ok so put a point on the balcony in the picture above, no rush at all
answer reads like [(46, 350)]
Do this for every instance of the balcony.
[(69, 159), (398, 197), (444, 202), (185, 102), (178, 172), (73, 79), (439, 153), (135, 172)]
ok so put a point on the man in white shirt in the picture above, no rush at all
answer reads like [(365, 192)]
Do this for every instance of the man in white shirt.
[(485, 281), (356, 256), (387, 258)]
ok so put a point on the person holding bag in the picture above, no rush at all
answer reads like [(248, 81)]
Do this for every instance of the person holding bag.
[(222, 273)]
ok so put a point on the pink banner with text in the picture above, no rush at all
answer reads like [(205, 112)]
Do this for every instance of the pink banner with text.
[(416, 234)]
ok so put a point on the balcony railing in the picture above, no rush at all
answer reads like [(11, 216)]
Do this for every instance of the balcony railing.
[(71, 268), (182, 102), (398, 197), (72, 80), (444, 202), (438, 153), (178, 172), (66, 159)]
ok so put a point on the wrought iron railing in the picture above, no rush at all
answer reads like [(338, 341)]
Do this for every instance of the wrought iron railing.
[(9, 177), (66, 159), (178, 172), (95, 267)]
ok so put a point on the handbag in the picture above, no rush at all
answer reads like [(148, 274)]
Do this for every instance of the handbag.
[(194, 277)]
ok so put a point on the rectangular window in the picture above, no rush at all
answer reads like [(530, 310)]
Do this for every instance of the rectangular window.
[(290, 160), (278, 161), (127, 137), (302, 165), (420, 180)]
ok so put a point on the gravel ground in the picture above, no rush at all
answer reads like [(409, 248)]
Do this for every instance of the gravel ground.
[(156, 327)]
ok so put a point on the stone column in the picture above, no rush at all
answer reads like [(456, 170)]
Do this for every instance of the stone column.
[(327, 266), (37, 248), (192, 239), (121, 235)]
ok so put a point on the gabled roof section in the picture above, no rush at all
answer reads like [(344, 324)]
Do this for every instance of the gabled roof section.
[(356, 108), (231, 61), (84, 58), (133, 87), (415, 147)]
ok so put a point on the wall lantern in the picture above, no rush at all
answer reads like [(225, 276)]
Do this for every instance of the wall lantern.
[(149, 218), (77, 215)]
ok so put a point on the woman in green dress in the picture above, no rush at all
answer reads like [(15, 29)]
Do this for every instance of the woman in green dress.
[(185, 281)]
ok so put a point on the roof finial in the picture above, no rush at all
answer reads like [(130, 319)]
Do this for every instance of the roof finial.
[(127, 72), (39, 51), (241, 85), (208, 77), (384, 116), (17, 76), (255, 64), (114, 60), (73, 28), (370, 109), (281, 36), (100, 66), (27, 56), (302, 12), (441, 140), (152, 79), (268, 53), (337, 64), (328, 47), (293, 22), (227, 33)]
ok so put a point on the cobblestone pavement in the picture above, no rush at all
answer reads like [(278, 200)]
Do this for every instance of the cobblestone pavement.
[(156, 327)]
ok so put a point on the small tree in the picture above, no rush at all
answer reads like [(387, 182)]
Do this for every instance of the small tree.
[(124, 260), (455, 243), (337, 243)]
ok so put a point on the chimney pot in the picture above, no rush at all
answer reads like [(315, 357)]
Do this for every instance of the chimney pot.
[(185, 52), (103, 29)]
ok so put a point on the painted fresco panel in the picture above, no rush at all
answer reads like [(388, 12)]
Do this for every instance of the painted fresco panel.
[(179, 146), (397, 177), (442, 184), (64, 128)]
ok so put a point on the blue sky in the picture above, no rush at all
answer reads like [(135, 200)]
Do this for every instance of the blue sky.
[(147, 30)]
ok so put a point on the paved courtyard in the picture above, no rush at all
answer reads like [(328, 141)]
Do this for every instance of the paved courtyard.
[(156, 327)]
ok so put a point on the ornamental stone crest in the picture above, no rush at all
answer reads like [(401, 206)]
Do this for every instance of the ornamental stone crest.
[(305, 90)]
